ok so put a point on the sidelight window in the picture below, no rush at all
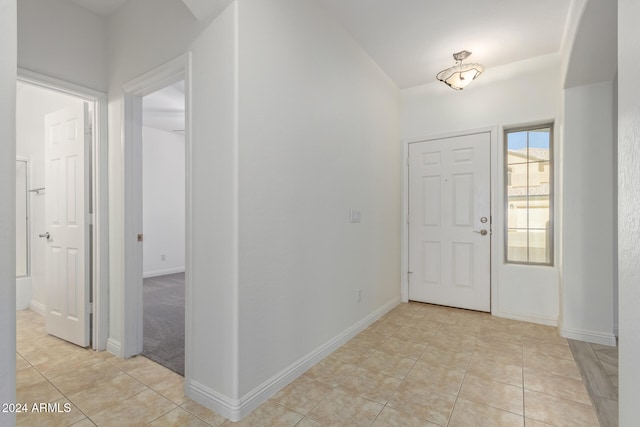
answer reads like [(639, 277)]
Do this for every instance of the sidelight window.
[(529, 195)]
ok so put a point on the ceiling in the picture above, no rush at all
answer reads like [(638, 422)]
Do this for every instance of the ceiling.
[(201, 9), (100, 7), (164, 109), (412, 40)]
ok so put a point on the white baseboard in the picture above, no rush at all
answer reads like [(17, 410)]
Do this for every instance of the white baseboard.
[(114, 347), (549, 321), (234, 410), (228, 408), (38, 307), (156, 273), (589, 336)]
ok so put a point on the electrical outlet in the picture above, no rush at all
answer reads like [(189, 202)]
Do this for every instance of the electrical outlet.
[(163, 257)]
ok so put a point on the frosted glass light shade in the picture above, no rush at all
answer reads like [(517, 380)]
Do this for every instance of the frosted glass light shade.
[(460, 75)]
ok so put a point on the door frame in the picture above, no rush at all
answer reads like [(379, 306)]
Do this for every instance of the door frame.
[(132, 304), (100, 196), (495, 223)]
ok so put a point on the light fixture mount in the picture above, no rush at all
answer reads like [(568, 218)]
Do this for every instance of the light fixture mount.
[(462, 55), (460, 75)]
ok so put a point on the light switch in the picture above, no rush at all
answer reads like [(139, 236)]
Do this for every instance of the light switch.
[(354, 215)]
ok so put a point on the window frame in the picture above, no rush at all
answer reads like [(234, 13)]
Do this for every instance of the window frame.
[(551, 237)]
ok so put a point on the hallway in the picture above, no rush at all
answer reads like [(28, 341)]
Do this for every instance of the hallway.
[(419, 365)]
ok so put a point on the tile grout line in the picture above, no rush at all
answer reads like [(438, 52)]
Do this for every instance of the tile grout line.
[(54, 386), (126, 398), (195, 415), (401, 380), (49, 379), (406, 322), (455, 402)]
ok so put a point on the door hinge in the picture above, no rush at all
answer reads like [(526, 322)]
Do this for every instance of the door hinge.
[(91, 308), (409, 273), (140, 237), (407, 218), (91, 219)]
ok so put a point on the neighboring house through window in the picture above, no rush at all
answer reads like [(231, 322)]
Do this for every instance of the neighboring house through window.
[(529, 195)]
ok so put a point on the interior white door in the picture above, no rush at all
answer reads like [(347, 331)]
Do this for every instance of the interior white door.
[(450, 221), (67, 210)]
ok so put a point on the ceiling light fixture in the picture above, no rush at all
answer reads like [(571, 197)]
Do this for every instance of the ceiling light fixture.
[(460, 75)]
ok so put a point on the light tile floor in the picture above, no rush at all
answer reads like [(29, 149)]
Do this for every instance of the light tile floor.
[(419, 365), (599, 367)]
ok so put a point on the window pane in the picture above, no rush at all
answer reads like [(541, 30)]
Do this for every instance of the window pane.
[(516, 147), (539, 212), (539, 250), (539, 138), (517, 212), (518, 177), (517, 245), (539, 175), (528, 188), (517, 140)]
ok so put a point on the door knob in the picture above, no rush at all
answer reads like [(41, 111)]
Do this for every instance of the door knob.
[(481, 232), (45, 235)]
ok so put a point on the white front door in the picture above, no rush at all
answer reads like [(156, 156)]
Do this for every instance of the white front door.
[(450, 221), (67, 201)]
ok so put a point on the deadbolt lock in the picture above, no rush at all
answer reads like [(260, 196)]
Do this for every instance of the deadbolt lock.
[(483, 219)]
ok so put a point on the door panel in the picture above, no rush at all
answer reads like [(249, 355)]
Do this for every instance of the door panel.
[(66, 216), (449, 193)]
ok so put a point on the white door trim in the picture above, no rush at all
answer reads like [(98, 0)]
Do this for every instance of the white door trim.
[(99, 159), (496, 222), (132, 306)]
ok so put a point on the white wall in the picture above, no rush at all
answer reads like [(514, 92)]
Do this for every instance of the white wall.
[(23, 280), (511, 95), (588, 210), (588, 254), (319, 132), (8, 63), (163, 194), (32, 105), (161, 39), (338, 114), (63, 40), (137, 45), (615, 208), (592, 56), (629, 210), (214, 247), (22, 215)]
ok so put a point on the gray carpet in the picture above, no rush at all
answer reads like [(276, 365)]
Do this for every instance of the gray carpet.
[(163, 326)]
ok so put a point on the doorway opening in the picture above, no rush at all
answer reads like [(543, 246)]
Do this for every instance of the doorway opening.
[(58, 269), (163, 223), (131, 303)]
